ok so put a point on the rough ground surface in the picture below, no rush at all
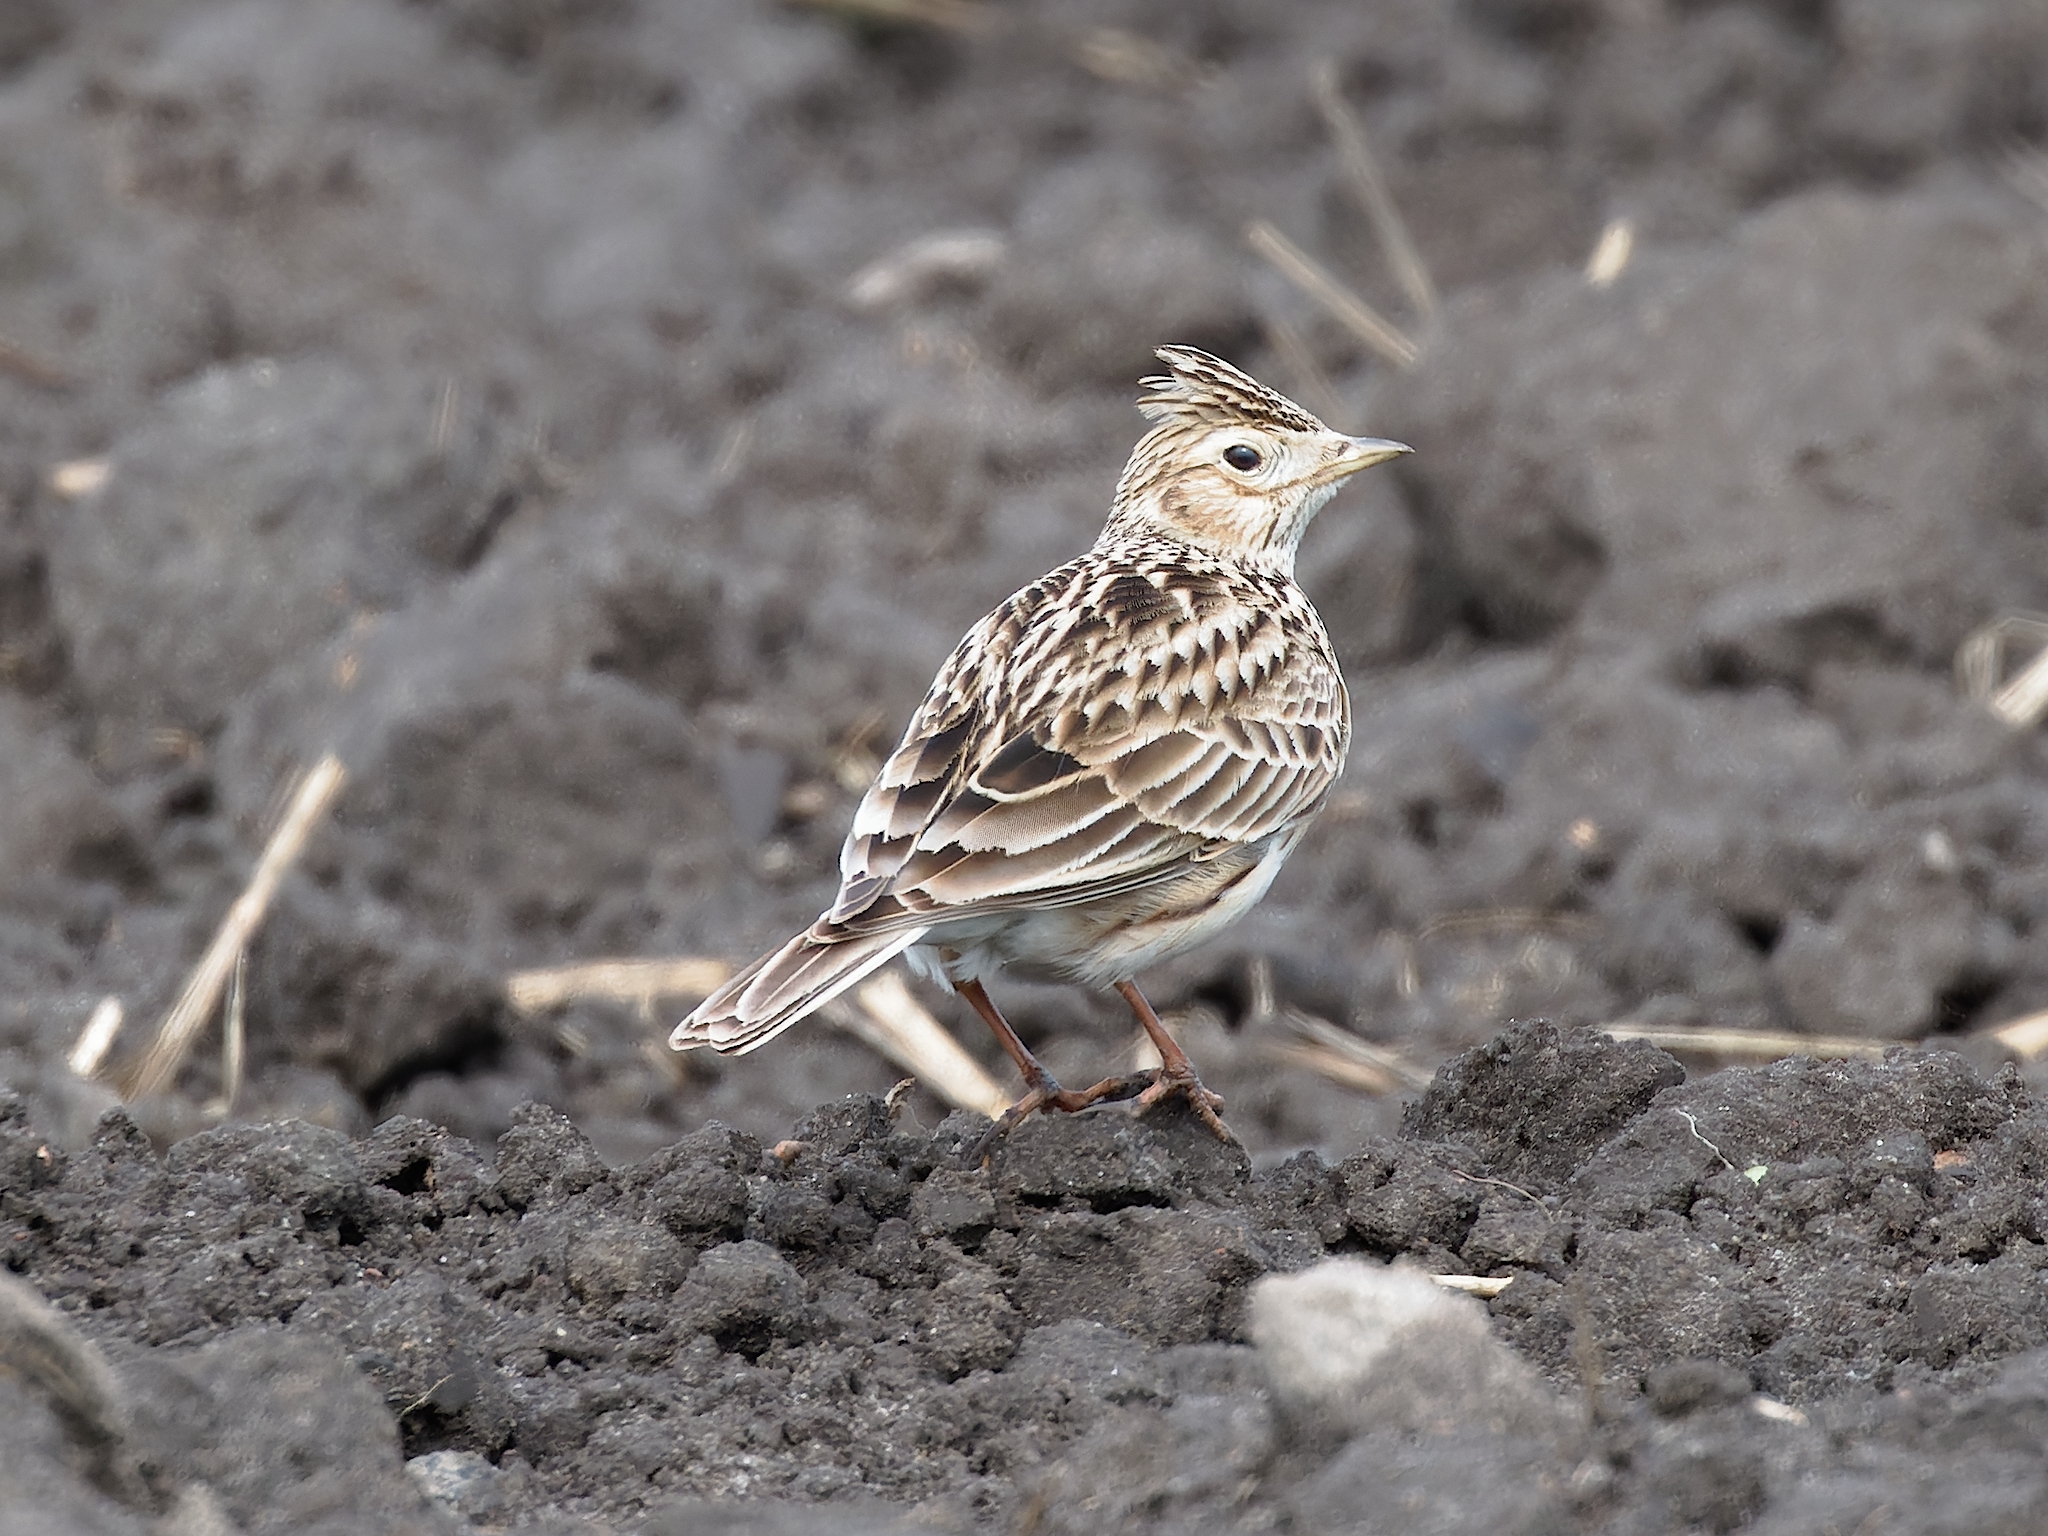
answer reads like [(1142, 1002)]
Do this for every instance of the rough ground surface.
[(505, 396), (1779, 1299)]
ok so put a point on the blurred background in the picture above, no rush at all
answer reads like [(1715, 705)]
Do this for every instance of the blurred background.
[(593, 421)]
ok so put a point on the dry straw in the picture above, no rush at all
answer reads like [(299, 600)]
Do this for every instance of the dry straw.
[(894, 1023), (1611, 253), (2026, 1036), (947, 15), (188, 1015), (1345, 1058), (1344, 306), (2022, 700), (1362, 170), (1485, 1287), (1753, 1044), (97, 1038), (233, 1035), (1362, 173), (887, 1018), (76, 479), (641, 983)]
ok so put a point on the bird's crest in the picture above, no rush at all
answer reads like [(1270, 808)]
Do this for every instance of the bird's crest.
[(1205, 391)]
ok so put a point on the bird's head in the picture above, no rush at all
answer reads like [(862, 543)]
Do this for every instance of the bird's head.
[(1231, 465)]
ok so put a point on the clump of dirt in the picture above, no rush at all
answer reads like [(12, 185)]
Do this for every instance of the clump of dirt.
[(1730, 1282)]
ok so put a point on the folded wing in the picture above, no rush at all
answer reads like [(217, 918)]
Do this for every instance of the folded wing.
[(1093, 742)]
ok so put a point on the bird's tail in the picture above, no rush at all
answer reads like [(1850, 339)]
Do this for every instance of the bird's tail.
[(781, 988)]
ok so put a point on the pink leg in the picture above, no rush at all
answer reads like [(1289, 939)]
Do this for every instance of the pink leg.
[(1176, 1073), (1041, 1090)]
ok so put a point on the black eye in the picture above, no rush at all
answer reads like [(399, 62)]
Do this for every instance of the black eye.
[(1241, 457)]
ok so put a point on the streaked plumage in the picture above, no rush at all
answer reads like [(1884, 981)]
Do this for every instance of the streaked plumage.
[(1115, 762)]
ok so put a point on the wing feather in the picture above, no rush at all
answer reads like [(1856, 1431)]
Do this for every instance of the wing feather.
[(1167, 802), (1156, 763), (1201, 808), (1016, 827), (957, 877), (1108, 727)]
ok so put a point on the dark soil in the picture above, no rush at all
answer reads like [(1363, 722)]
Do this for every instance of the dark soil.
[(501, 395), (1777, 1299)]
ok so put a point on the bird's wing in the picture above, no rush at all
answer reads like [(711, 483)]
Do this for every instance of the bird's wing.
[(1105, 729)]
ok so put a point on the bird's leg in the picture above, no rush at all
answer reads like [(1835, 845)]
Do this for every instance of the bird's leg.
[(1041, 1088), (1176, 1072)]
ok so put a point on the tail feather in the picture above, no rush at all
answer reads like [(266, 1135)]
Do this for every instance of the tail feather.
[(784, 987)]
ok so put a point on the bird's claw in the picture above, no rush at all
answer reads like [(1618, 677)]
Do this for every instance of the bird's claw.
[(1046, 1094), (1207, 1106), (1147, 1088)]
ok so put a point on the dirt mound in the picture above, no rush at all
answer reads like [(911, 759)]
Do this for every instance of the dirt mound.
[(1730, 1283)]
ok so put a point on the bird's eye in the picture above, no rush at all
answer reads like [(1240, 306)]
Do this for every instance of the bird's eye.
[(1241, 457)]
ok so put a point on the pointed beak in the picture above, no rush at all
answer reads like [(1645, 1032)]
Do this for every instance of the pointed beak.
[(1361, 453)]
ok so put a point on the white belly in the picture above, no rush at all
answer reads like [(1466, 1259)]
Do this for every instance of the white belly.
[(1100, 943)]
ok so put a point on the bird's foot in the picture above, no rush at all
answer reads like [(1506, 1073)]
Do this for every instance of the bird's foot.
[(1169, 1083), (1176, 1075), (1042, 1093)]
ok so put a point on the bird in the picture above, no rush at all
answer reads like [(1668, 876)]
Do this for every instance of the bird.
[(1113, 764)]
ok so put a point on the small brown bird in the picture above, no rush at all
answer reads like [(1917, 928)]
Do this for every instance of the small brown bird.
[(1112, 765)]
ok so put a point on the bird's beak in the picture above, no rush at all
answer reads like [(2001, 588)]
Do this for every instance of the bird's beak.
[(1361, 453)]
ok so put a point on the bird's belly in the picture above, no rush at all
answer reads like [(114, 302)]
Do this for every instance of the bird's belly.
[(1102, 942)]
